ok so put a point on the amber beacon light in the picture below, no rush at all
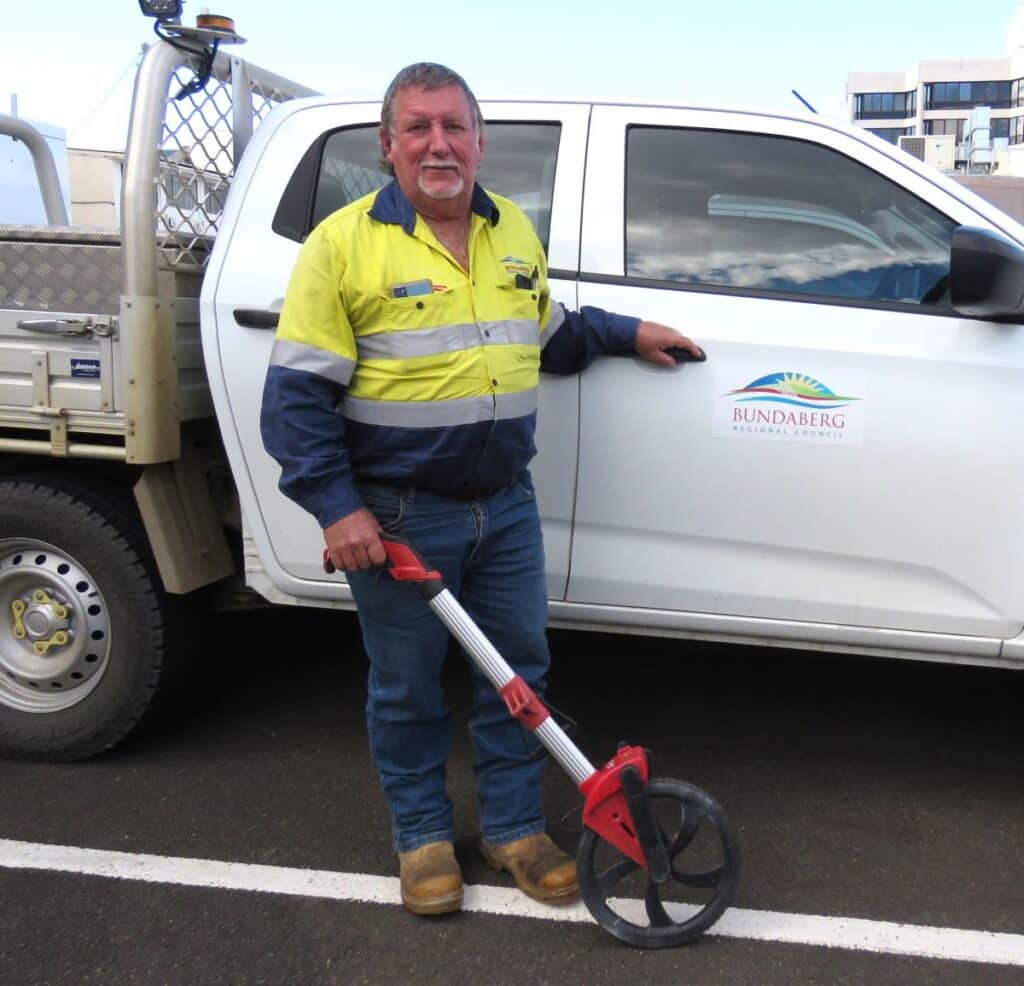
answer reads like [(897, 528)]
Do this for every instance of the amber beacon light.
[(215, 22)]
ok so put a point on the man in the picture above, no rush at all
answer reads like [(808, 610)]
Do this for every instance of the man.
[(401, 395)]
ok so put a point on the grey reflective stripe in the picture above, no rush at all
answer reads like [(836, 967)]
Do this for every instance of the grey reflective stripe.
[(516, 405), (442, 414), (446, 339), (555, 319), (523, 332), (298, 356)]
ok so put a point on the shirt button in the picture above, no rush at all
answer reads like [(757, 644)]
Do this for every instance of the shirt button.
[(494, 383), (533, 296), (487, 333), (419, 304)]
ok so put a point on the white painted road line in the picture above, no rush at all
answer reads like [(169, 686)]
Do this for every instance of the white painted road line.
[(799, 929)]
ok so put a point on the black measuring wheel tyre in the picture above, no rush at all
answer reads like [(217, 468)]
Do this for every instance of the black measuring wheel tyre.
[(625, 902), (83, 627)]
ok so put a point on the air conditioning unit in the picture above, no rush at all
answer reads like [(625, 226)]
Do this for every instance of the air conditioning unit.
[(976, 150), (938, 150), (913, 145)]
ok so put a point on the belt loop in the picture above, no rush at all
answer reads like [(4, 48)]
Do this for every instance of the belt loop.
[(410, 494)]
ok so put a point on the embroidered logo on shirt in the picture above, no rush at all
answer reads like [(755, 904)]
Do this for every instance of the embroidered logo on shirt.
[(515, 265)]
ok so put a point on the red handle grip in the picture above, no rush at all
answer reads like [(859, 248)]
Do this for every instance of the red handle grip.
[(404, 563)]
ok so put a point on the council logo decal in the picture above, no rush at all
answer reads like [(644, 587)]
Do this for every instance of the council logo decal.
[(515, 265), (797, 389), (789, 406)]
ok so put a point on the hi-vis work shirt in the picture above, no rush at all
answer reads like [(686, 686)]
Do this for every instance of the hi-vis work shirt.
[(394, 365)]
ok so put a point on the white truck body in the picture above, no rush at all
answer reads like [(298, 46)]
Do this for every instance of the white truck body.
[(656, 518), (841, 474)]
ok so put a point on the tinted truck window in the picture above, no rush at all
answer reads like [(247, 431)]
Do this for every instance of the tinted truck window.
[(753, 211), (519, 163)]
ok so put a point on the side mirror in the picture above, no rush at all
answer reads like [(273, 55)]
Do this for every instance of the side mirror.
[(986, 275)]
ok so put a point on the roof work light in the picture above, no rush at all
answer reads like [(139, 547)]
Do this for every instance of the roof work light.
[(163, 10), (200, 42)]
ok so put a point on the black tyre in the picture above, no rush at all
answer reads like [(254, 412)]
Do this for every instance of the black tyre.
[(634, 908), (83, 621)]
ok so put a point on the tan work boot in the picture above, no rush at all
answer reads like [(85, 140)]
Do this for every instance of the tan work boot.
[(541, 869), (431, 879)]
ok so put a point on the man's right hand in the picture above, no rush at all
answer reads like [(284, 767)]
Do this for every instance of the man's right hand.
[(354, 541)]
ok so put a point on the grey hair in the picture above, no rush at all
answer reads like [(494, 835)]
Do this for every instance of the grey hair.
[(424, 75)]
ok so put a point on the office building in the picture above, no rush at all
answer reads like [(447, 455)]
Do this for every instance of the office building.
[(936, 97)]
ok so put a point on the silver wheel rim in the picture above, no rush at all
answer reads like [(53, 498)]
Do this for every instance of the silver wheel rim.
[(55, 633)]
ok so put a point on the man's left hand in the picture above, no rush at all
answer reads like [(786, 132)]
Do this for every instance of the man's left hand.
[(653, 338)]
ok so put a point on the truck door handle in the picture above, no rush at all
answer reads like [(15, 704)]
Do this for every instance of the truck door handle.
[(257, 318), (681, 355)]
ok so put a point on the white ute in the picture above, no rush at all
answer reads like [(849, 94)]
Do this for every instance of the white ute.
[(843, 473)]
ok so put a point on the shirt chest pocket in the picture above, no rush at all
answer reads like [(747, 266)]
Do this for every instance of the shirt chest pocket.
[(406, 313), (518, 301), (442, 305)]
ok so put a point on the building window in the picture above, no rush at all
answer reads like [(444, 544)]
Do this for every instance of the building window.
[(885, 105), (180, 189), (997, 128), (967, 95), (1017, 130), (754, 212), (891, 134), (954, 127)]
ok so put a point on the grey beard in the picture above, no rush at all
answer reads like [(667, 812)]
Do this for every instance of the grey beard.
[(448, 193)]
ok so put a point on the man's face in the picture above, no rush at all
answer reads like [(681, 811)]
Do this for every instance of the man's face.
[(433, 147)]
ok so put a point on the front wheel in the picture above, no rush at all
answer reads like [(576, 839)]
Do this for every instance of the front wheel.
[(705, 864), (82, 622)]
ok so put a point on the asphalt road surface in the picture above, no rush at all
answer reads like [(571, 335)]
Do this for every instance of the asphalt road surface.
[(884, 791)]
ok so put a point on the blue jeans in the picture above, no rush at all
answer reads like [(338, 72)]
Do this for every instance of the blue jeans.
[(491, 556)]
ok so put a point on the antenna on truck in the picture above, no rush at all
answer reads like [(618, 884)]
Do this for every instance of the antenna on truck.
[(802, 100), (210, 32)]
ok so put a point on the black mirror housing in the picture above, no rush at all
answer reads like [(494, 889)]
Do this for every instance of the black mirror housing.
[(986, 275)]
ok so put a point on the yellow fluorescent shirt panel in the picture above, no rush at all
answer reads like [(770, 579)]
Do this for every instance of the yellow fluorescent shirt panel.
[(460, 335)]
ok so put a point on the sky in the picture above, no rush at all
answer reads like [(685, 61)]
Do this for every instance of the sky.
[(71, 63)]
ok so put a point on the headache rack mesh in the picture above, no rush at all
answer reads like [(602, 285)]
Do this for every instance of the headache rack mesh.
[(204, 134)]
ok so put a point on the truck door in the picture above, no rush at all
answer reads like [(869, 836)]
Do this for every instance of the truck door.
[(849, 453), (307, 160)]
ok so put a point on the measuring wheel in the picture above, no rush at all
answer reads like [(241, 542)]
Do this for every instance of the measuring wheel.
[(663, 841), (691, 876)]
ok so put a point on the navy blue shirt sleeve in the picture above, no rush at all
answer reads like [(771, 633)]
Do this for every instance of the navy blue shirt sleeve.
[(585, 335), (303, 429)]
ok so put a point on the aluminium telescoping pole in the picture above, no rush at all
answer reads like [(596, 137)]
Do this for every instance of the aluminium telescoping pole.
[(405, 565), (505, 680)]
